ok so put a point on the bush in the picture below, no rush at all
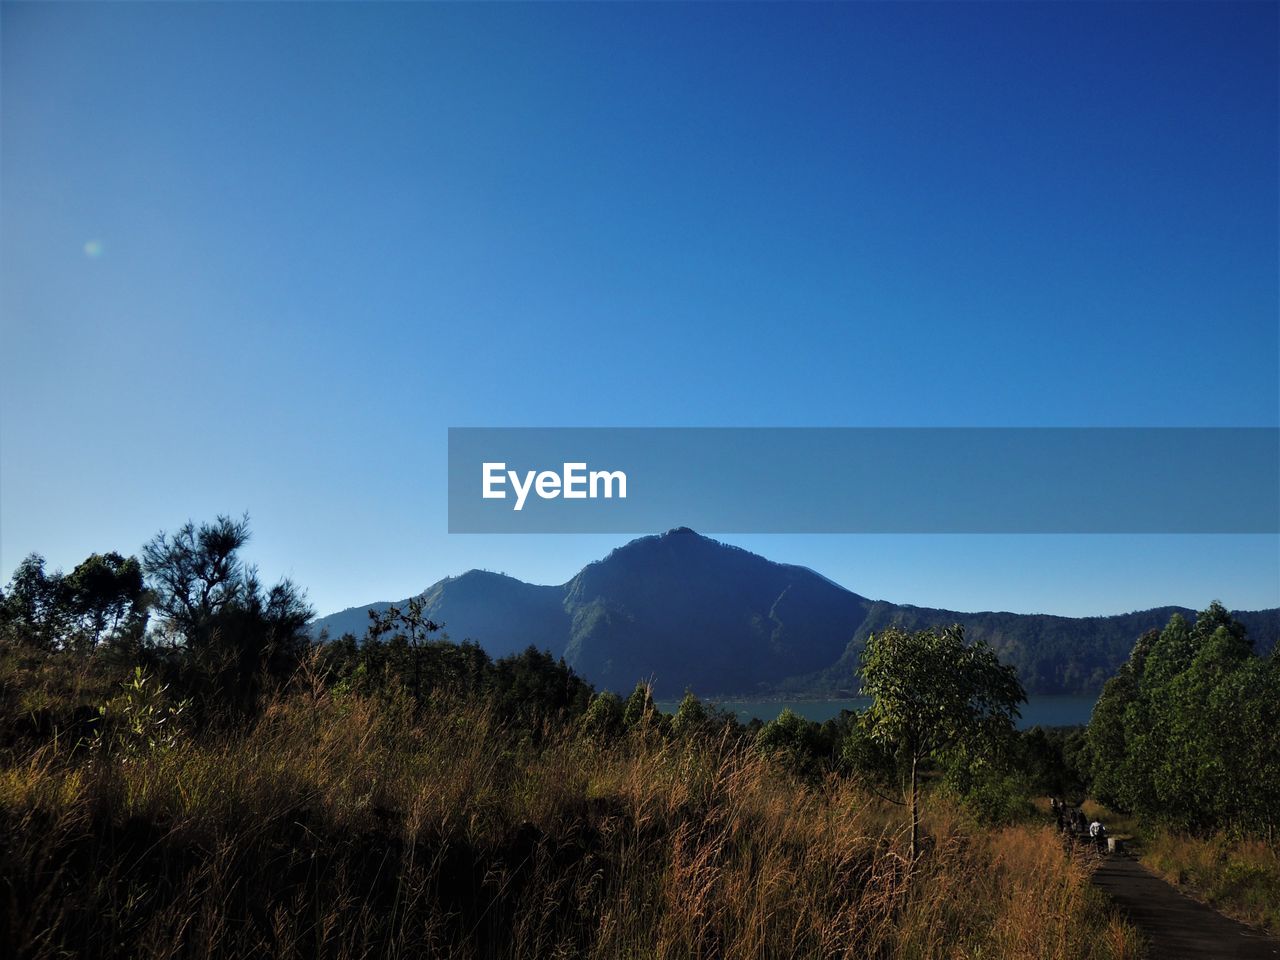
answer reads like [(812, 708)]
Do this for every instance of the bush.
[(140, 719), (794, 742), (603, 721)]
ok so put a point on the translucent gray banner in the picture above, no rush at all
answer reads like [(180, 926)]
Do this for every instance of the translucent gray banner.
[(865, 480)]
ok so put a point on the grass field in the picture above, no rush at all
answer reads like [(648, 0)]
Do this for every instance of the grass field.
[(1241, 877), (343, 826)]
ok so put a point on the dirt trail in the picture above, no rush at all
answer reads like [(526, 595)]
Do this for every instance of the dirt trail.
[(1178, 927)]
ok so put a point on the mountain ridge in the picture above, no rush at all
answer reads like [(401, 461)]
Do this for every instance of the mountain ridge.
[(690, 612)]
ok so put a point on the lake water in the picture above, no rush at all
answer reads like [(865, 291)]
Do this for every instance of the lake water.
[(1044, 711)]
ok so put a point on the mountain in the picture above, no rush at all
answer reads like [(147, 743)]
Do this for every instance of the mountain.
[(689, 612)]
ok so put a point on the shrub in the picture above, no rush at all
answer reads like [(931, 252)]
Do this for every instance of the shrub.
[(140, 719)]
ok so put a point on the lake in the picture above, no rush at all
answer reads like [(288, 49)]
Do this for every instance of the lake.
[(1044, 711)]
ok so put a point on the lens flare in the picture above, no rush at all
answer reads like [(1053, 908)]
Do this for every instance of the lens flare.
[(93, 249)]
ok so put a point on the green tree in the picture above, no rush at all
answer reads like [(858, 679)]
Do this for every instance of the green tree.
[(1247, 711), (931, 693), (1046, 757), (603, 720), (691, 717), (105, 594), (1185, 733), (1109, 732), (639, 709), (794, 742), (35, 608), (860, 755), (535, 688), (102, 596)]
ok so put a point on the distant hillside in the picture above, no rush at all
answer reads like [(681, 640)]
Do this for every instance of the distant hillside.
[(503, 613), (1052, 654), (689, 612)]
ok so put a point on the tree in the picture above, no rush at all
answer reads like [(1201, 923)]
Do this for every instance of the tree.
[(35, 604), (794, 742), (534, 688), (859, 755), (1108, 734), (691, 718), (230, 632), (410, 624), (104, 594), (100, 597), (196, 574), (639, 709), (1184, 734), (932, 692), (603, 720), (1250, 704)]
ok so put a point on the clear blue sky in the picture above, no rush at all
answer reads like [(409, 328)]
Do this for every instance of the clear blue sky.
[(261, 257)]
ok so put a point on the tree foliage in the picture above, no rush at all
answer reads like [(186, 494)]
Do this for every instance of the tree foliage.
[(603, 720), (34, 604), (795, 742), (235, 636), (639, 709), (102, 599), (107, 597), (1186, 732), (934, 696)]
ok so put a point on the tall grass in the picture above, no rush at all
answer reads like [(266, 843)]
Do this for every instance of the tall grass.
[(1239, 876), (342, 826)]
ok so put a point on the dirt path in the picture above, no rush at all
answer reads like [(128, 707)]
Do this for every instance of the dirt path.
[(1178, 927)]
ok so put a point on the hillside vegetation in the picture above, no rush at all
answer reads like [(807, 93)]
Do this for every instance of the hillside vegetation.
[(1185, 740), (184, 773), (340, 824)]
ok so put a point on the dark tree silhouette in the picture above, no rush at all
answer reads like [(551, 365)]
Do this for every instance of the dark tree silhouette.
[(236, 635)]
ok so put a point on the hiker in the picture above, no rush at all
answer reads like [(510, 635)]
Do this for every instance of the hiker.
[(1098, 833)]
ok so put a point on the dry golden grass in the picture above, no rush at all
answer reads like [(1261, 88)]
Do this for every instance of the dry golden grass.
[(344, 827), (1241, 877)]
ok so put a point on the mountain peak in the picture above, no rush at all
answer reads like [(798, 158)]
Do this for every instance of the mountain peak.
[(477, 573), (692, 612)]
